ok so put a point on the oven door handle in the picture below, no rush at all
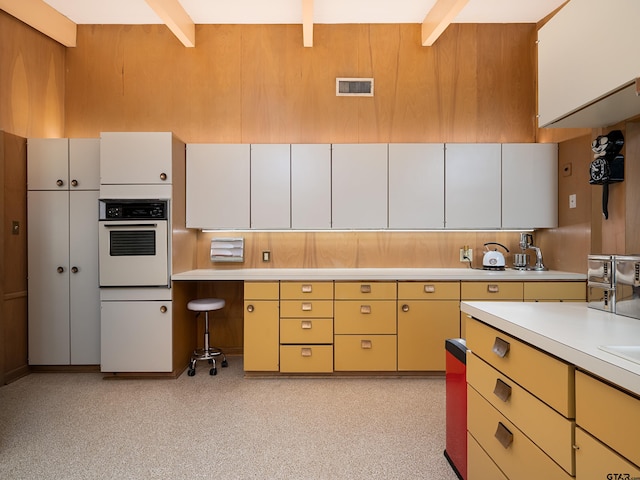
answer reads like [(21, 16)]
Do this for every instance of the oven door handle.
[(130, 225)]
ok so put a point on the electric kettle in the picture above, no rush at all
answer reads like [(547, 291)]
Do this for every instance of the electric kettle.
[(493, 259)]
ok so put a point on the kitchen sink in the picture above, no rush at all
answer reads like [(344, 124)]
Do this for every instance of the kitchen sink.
[(628, 352)]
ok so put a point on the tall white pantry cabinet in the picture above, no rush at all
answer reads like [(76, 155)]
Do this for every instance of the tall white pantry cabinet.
[(62, 208)]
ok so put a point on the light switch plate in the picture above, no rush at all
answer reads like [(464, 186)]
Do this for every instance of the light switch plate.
[(572, 200)]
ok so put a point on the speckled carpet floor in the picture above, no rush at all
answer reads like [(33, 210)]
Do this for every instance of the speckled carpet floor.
[(79, 426)]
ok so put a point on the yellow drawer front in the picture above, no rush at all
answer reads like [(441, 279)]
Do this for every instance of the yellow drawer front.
[(609, 414), (491, 291), (369, 317), (261, 290), (594, 461), (305, 290), (429, 290), (544, 426), (479, 464), (365, 290), (576, 291), (306, 358), (517, 456), (365, 352), (297, 330), (306, 309), (546, 377)]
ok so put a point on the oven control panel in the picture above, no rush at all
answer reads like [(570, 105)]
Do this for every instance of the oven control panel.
[(133, 209)]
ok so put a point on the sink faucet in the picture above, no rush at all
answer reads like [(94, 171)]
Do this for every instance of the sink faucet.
[(539, 265)]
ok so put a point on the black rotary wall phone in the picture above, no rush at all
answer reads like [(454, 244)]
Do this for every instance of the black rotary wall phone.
[(607, 165)]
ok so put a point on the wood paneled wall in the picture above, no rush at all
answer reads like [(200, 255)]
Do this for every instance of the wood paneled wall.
[(258, 84), (32, 81)]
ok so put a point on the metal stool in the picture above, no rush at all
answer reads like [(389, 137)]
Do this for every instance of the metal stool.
[(207, 352)]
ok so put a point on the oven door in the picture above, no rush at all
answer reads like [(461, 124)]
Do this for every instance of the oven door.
[(133, 253)]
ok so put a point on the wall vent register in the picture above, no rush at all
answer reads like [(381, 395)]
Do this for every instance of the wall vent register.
[(361, 87)]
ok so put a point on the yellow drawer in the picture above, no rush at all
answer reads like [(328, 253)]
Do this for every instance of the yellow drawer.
[(306, 358), (594, 461), (479, 464), (491, 291), (365, 290), (609, 414), (306, 309), (552, 432), (369, 317), (316, 330), (365, 352), (576, 291), (261, 290), (546, 377), (306, 290), (511, 450), (429, 290)]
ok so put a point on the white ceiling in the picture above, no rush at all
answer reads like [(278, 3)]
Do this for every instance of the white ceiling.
[(137, 12)]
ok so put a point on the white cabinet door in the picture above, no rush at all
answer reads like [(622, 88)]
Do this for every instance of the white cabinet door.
[(84, 311), (218, 179), (48, 277), (271, 186), (136, 158), (136, 336), (529, 185), (359, 186), (47, 164), (472, 186), (84, 163), (416, 186), (311, 186)]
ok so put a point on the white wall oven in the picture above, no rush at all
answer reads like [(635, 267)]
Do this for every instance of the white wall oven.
[(133, 243)]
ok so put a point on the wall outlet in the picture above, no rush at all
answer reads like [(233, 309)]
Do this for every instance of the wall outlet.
[(572, 200), (266, 256), (466, 255)]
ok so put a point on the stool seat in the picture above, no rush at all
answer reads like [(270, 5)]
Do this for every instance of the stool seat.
[(207, 352), (205, 304)]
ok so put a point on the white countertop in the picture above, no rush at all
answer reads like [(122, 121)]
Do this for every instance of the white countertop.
[(570, 331), (370, 274)]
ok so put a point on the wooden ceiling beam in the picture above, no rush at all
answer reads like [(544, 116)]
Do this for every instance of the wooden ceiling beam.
[(307, 23), (44, 18), (177, 19), (439, 18)]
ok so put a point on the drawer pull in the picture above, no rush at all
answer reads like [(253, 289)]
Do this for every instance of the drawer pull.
[(365, 309), (502, 390), (307, 288), (493, 288), (504, 436), (305, 324), (365, 288), (429, 289), (306, 307), (305, 352), (366, 344), (501, 347)]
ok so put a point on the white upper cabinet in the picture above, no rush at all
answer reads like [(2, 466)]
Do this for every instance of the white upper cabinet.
[(416, 186), (311, 186), (218, 178), (271, 186), (529, 185), (136, 158), (359, 186), (473, 186)]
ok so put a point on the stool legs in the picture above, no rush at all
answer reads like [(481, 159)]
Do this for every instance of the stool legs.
[(207, 352)]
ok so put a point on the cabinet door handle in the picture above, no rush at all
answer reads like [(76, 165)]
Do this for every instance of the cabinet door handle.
[(307, 288), (163, 176), (366, 344), (429, 289), (306, 306), (163, 309), (365, 309), (250, 308), (405, 308), (365, 288), (74, 269), (60, 269), (501, 347), (504, 436), (305, 324), (493, 288), (305, 352), (74, 183), (59, 183), (502, 390)]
